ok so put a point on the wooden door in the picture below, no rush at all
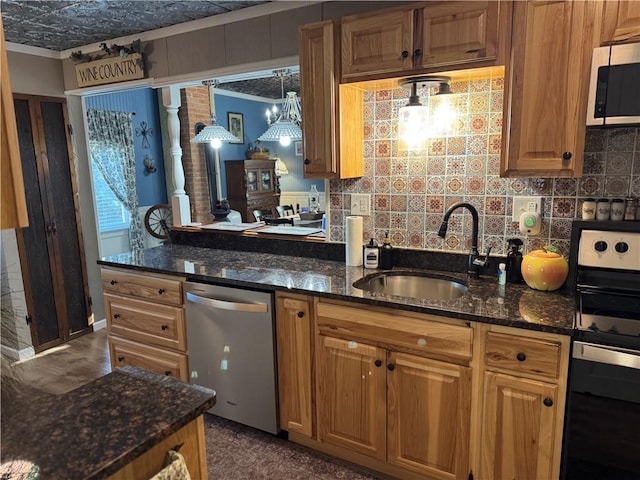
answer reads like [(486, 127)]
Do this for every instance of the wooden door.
[(294, 325), (429, 415), (518, 431), (51, 248), (620, 22), (377, 43), (351, 396), (457, 33), (546, 88)]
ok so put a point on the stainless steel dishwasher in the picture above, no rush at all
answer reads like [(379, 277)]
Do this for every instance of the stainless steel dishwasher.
[(230, 339)]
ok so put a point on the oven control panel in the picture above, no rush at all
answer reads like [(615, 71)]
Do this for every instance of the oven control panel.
[(606, 249)]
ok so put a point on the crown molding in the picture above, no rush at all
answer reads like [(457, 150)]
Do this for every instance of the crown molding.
[(29, 50)]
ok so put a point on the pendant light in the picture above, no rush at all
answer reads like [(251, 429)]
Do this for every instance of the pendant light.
[(214, 134), (287, 127), (418, 122)]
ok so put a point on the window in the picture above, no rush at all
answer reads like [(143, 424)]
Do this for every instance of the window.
[(112, 215)]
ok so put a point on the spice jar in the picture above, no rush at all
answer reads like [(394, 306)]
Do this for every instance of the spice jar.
[(589, 209), (603, 209), (617, 209), (630, 209)]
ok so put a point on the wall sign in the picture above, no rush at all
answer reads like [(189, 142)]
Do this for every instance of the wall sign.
[(110, 70)]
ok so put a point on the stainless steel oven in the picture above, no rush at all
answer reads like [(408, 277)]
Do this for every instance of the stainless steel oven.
[(602, 432)]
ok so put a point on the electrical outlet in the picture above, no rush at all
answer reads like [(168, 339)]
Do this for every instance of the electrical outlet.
[(360, 204), (525, 204)]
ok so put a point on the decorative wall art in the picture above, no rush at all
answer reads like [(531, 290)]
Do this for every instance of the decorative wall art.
[(145, 132), (298, 148), (236, 125)]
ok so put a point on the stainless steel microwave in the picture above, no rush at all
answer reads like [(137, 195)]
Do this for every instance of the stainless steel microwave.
[(614, 91)]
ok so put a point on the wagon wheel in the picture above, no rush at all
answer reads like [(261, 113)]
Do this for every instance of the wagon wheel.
[(158, 221)]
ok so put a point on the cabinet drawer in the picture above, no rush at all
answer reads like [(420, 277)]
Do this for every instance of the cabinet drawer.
[(426, 337), (158, 289), (146, 322), (125, 352), (522, 355)]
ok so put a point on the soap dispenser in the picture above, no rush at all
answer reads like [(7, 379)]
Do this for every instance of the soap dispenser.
[(371, 254), (386, 253), (514, 261)]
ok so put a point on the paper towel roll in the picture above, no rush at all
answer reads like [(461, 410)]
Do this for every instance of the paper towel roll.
[(353, 241)]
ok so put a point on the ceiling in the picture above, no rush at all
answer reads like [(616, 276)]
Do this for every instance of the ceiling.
[(70, 24)]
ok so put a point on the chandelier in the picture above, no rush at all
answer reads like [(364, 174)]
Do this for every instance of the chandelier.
[(287, 126)]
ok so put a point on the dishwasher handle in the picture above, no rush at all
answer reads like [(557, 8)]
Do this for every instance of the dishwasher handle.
[(226, 305)]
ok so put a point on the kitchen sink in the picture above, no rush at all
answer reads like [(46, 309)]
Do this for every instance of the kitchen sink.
[(427, 286)]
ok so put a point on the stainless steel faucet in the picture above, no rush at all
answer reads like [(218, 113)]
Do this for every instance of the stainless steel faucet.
[(476, 264)]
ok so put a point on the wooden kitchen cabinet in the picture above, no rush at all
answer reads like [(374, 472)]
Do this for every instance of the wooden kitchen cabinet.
[(295, 326), (546, 87), (523, 407), (145, 320), (332, 112), (620, 22), (424, 38), (251, 185)]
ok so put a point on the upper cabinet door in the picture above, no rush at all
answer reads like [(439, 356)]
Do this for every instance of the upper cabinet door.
[(458, 32), (546, 86), (377, 43), (620, 22)]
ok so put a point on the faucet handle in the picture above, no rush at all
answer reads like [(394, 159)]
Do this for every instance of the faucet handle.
[(482, 262)]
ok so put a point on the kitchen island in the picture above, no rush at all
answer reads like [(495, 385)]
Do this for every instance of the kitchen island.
[(120, 424)]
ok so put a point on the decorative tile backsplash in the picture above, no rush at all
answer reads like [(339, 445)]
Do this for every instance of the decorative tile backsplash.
[(410, 191)]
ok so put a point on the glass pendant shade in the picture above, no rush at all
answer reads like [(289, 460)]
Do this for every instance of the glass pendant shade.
[(287, 127), (413, 127), (214, 134)]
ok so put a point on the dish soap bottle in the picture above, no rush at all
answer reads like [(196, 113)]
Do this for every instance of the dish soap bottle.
[(371, 254), (514, 261), (314, 200), (386, 253)]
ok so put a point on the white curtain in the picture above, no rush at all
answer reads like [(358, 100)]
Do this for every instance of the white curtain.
[(112, 150)]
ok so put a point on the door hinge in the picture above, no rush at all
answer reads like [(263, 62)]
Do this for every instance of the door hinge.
[(90, 301), (70, 129), (28, 319)]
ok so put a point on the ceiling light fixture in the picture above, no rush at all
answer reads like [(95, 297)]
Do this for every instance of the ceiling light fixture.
[(416, 123), (214, 134), (287, 127)]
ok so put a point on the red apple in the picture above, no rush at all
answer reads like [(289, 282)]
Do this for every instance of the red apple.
[(544, 269)]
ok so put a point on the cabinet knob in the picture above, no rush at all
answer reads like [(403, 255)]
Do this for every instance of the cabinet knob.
[(300, 314), (307, 161), (391, 366), (378, 363), (566, 156), (121, 359), (161, 291), (548, 402), (167, 372), (404, 54), (417, 53), (113, 282), (116, 315), (521, 357), (164, 327)]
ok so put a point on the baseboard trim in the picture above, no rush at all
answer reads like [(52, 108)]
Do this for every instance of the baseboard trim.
[(16, 354), (100, 324)]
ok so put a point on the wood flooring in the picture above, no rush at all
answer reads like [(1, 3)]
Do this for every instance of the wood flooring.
[(68, 366)]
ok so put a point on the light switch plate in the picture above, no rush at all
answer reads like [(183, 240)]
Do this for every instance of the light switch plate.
[(525, 204), (360, 204)]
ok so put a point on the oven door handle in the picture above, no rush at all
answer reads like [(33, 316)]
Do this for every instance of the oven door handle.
[(619, 357), (595, 290)]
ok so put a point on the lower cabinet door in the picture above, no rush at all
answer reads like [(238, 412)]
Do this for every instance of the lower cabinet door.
[(352, 396), (518, 428), (429, 416), (125, 352)]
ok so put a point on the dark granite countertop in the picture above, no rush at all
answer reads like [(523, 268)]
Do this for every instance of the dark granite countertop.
[(93, 431), (511, 305)]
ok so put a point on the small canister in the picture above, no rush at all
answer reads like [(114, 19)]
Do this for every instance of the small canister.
[(617, 209), (589, 209), (603, 209), (630, 209)]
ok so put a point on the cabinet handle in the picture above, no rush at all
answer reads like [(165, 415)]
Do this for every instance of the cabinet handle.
[(566, 156), (164, 327), (54, 229), (48, 228), (113, 282), (121, 359), (167, 372), (307, 161), (548, 402), (161, 291), (521, 357), (116, 315), (378, 363), (391, 366), (300, 314), (417, 53), (404, 54)]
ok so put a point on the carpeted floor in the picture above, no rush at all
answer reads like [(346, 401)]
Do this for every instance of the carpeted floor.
[(236, 452)]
